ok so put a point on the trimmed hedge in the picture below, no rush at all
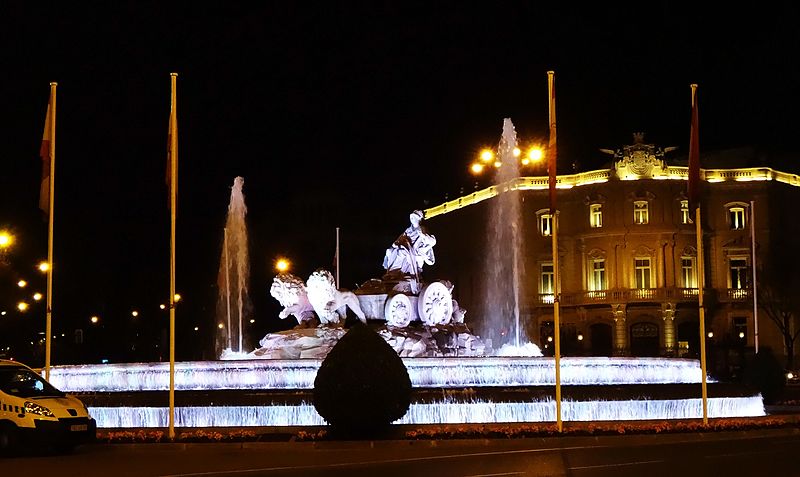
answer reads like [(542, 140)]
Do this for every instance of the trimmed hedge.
[(362, 385)]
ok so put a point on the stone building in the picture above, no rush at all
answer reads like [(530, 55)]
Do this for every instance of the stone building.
[(628, 255)]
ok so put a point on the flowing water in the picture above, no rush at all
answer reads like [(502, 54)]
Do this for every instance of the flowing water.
[(234, 274)]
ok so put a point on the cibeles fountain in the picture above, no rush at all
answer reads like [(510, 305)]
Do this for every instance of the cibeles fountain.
[(425, 325)]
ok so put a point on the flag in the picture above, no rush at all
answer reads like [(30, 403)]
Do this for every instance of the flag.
[(45, 151), (172, 145), (551, 148), (694, 156)]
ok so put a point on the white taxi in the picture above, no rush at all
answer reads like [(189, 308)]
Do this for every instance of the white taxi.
[(34, 413)]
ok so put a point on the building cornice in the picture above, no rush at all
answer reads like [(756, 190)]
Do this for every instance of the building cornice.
[(570, 181)]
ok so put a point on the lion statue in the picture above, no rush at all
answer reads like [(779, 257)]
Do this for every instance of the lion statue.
[(330, 303), (290, 292)]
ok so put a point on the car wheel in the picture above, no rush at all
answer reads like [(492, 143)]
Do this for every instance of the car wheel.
[(8, 439)]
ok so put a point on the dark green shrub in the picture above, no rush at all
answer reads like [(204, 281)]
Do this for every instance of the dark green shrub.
[(362, 385), (765, 374)]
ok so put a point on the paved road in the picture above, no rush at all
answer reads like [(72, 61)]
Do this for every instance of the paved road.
[(756, 453)]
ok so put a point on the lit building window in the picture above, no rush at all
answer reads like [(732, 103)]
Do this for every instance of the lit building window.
[(738, 272), (598, 280), (687, 272), (596, 215), (546, 224), (736, 218), (547, 279), (642, 272), (640, 212), (685, 218)]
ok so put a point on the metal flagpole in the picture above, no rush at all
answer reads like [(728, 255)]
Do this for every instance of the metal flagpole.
[(755, 282), (694, 152), (49, 313), (552, 173), (173, 200)]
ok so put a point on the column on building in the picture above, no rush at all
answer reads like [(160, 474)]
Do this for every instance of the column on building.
[(620, 330), (668, 315)]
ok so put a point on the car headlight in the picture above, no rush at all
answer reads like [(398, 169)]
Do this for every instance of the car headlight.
[(33, 408)]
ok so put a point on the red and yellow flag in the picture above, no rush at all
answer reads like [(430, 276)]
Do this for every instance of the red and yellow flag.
[(694, 156), (552, 153), (46, 152)]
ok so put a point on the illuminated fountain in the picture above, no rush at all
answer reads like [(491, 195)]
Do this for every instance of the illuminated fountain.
[(449, 388), (233, 276), (500, 300)]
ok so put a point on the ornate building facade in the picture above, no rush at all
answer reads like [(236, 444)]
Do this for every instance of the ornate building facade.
[(628, 255)]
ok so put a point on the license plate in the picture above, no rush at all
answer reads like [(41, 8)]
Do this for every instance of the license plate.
[(78, 427)]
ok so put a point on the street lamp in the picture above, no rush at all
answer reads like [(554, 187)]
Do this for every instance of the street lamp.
[(37, 296), (282, 265), (43, 267), (22, 283), (22, 306), (6, 240), (94, 319)]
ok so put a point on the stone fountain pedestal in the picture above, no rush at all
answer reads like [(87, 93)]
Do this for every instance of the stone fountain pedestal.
[(412, 342)]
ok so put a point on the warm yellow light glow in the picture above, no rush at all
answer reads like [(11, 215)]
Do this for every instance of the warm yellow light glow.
[(6, 239), (741, 334), (196, 328), (177, 297), (497, 164), (487, 155), (525, 161), (22, 283), (252, 321), (220, 326), (476, 168), (163, 307), (535, 154), (517, 152), (134, 313), (22, 306), (580, 337), (549, 338), (282, 265), (710, 334), (37, 296), (44, 266), (94, 319)]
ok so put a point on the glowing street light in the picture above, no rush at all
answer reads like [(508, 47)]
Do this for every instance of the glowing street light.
[(22, 306), (487, 155), (6, 240), (134, 313), (162, 306), (43, 267), (282, 265), (37, 296), (94, 319), (177, 297), (22, 283), (476, 168), (220, 326)]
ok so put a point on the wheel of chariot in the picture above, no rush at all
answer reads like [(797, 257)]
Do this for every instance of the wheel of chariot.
[(435, 304), (398, 311)]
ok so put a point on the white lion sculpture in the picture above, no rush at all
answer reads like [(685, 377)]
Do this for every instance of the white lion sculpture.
[(290, 292), (330, 303)]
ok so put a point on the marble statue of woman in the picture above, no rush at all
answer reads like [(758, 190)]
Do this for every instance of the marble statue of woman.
[(412, 249)]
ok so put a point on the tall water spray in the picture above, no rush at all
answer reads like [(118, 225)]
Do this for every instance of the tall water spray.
[(234, 274), (504, 245)]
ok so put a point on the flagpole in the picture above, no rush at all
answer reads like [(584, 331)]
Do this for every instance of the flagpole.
[(755, 282), (49, 313), (173, 201), (694, 164), (554, 220)]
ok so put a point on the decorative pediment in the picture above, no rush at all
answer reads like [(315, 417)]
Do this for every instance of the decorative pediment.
[(594, 198), (640, 160), (644, 251), (740, 242), (689, 251), (596, 254), (641, 195)]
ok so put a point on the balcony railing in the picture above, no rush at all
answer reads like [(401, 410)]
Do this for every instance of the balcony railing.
[(643, 295)]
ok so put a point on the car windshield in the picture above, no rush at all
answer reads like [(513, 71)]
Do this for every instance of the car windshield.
[(24, 383)]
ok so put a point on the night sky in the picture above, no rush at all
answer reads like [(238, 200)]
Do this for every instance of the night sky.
[(337, 114)]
